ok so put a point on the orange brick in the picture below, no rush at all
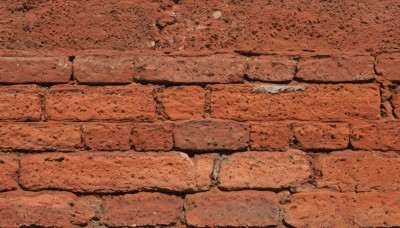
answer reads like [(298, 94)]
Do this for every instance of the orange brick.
[(270, 136), (84, 103), (232, 209), (184, 102), (359, 171), (315, 102), (107, 136), (35, 69), (142, 209), (146, 137)]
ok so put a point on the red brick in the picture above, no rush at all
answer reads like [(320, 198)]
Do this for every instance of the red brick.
[(380, 209), (155, 136), (184, 102), (103, 69), (116, 171), (389, 66), (200, 69), (396, 101), (142, 209), (232, 209), (8, 172), (40, 136), (35, 69), (211, 135), (277, 169), (107, 136), (71, 27), (316, 102), (336, 68), (359, 171), (85, 103), (271, 68), (326, 136), (333, 209), (20, 102), (249, 26), (46, 209), (270, 136), (376, 135), (282, 25)]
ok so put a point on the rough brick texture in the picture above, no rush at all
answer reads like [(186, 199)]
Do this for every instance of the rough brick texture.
[(376, 136), (188, 113), (40, 136), (396, 101), (82, 103), (46, 209), (116, 172), (321, 136), (103, 69), (35, 69), (184, 102), (107, 136), (211, 135), (270, 136), (20, 103), (8, 172), (271, 68), (359, 171), (149, 136), (224, 209), (316, 102), (277, 169), (389, 66), (208, 69), (142, 209), (332, 209), (336, 68)]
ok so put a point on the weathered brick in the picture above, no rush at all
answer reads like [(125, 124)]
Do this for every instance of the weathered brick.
[(184, 102), (84, 103), (46, 209), (35, 69), (142, 209), (71, 27), (359, 171), (389, 66), (232, 209), (8, 172), (277, 169), (189, 25), (336, 68), (270, 136), (376, 135), (333, 209), (116, 171), (149, 136), (316, 102), (211, 135), (107, 136), (103, 69), (200, 69), (20, 102), (332, 136), (396, 101), (270, 68), (40, 136)]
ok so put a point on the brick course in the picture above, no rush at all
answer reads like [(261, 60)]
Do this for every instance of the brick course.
[(227, 113)]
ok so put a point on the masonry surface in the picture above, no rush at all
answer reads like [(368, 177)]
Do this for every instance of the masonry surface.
[(188, 113)]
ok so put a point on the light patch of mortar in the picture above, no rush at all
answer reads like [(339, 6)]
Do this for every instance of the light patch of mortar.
[(274, 88), (186, 157)]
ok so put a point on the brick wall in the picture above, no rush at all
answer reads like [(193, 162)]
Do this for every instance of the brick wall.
[(199, 114)]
